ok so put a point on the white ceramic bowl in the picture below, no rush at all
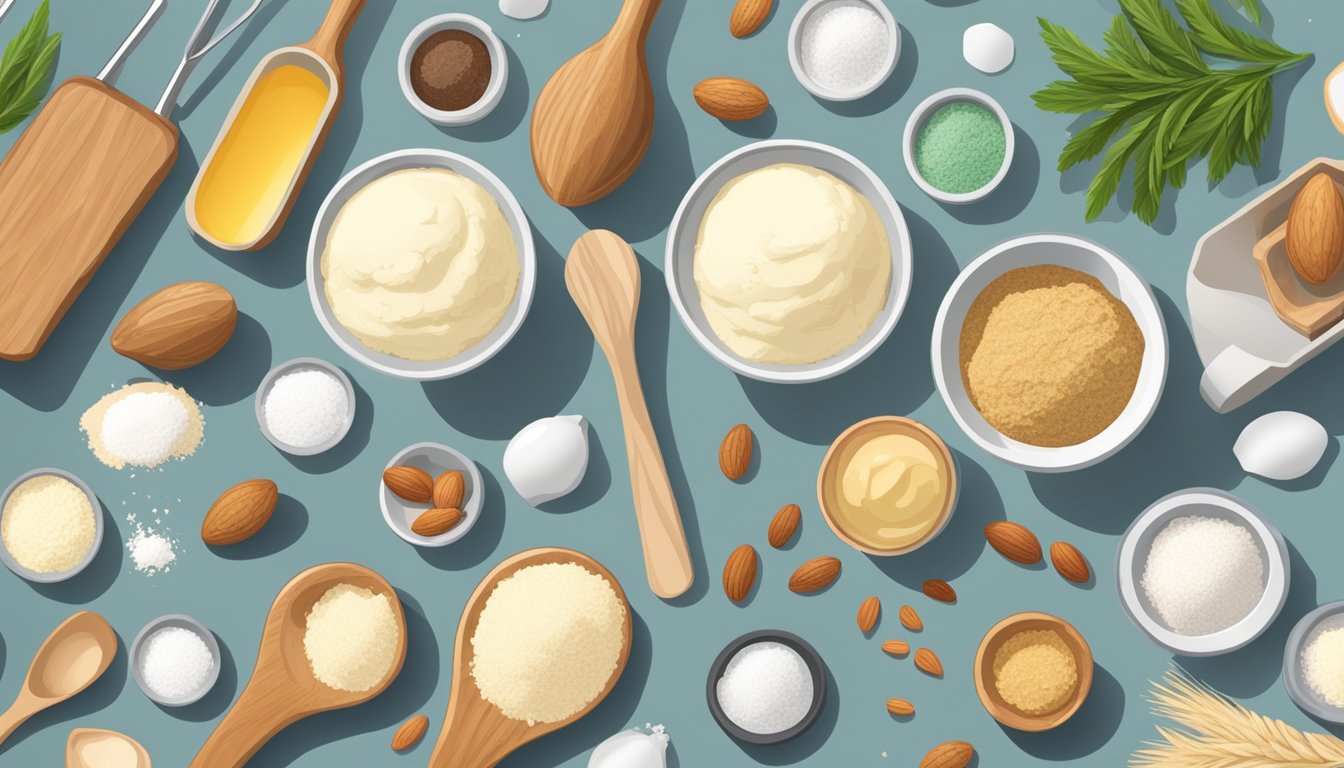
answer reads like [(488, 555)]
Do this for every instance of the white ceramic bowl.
[(303, 364), (680, 256), (434, 459), (483, 350), (921, 115), (809, 9), (1205, 502), (499, 68), (48, 578), (183, 622), (1327, 617), (1120, 279)]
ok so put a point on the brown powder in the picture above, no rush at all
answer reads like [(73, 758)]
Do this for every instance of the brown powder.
[(1048, 356), (450, 70), (1035, 671)]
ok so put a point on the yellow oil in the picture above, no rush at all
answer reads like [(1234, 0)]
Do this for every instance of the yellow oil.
[(249, 176)]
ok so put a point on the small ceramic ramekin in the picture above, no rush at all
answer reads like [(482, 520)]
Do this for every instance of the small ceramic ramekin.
[(434, 459), (499, 68), (815, 666), (800, 21), (1327, 617), (182, 622), (921, 115), (48, 578), (305, 364)]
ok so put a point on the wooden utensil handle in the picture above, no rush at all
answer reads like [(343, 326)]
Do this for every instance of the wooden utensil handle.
[(329, 42), (635, 19), (252, 721), (14, 717)]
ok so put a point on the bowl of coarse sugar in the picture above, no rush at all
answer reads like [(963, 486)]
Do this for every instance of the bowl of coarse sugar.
[(1050, 351)]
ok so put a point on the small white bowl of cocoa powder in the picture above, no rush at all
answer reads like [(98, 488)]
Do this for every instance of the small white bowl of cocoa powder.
[(453, 69)]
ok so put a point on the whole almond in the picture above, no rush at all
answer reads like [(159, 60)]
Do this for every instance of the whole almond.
[(869, 610), (739, 573), (748, 16), (1014, 542), (928, 663), (178, 326), (735, 452), (436, 522), (910, 619), (1315, 230), (409, 484), (1070, 562), (814, 575), (783, 525), (952, 754), (900, 707), (410, 733), (449, 490), (896, 647), (940, 590), (731, 98), (239, 512)]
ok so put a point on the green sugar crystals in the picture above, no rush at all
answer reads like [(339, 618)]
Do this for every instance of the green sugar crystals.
[(960, 148)]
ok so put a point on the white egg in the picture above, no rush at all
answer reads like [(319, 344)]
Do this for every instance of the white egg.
[(632, 749), (523, 9), (987, 47), (548, 458), (1281, 446)]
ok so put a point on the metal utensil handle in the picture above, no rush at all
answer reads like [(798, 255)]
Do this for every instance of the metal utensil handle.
[(197, 47), (113, 67)]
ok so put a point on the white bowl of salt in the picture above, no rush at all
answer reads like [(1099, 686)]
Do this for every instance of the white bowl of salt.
[(175, 660), (305, 406), (842, 50)]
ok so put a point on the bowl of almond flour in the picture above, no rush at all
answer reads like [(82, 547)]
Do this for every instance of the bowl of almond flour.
[(51, 525)]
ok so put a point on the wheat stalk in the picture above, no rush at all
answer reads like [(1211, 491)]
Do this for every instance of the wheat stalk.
[(1216, 732)]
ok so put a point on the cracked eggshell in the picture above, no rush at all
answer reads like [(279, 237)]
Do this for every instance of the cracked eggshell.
[(548, 458), (1283, 445)]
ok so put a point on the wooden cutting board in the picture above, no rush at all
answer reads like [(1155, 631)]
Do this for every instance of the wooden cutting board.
[(69, 188)]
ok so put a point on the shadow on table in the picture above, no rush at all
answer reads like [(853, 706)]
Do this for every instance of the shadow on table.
[(234, 372), (807, 743), (287, 524), (1184, 445), (350, 446), (896, 379), (96, 697), (97, 577), (1087, 731), (480, 542), (214, 703), (595, 484)]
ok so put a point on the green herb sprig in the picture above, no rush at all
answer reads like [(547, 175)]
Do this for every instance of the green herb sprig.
[(25, 69), (1251, 7), (1160, 105)]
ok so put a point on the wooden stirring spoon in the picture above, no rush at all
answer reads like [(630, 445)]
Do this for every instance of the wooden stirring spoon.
[(92, 747), (72, 657), (475, 733), (603, 278), (283, 689), (594, 117)]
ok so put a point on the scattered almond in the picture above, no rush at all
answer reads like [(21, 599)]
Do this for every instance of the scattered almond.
[(436, 522), (409, 484), (869, 610), (896, 647), (239, 512), (900, 707), (814, 575), (449, 490), (410, 733), (910, 619), (951, 754), (928, 663), (784, 525), (1070, 562), (739, 573), (940, 590), (178, 326), (735, 452), (1315, 230), (749, 16), (731, 98), (1014, 542)]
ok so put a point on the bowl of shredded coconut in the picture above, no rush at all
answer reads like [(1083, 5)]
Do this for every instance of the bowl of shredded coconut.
[(51, 525), (1313, 663), (1202, 573)]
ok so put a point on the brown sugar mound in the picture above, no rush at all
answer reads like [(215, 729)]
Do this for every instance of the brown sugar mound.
[(1048, 356)]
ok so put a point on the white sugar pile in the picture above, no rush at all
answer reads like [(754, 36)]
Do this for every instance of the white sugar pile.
[(150, 550), (306, 408), (766, 688), (1203, 574), (143, 425), (844, 47), (175, 662)]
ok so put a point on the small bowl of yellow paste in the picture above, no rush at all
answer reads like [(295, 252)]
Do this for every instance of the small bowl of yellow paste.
[(1033, 671), (887, 486)]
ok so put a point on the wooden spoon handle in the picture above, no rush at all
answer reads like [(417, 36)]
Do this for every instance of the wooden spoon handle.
[(635, 19), (14, 717), (254, 719), (329, 42)]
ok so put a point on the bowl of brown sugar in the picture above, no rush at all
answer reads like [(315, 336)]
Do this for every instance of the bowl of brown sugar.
[(1050, 352), (1033, 671), (453, 69)]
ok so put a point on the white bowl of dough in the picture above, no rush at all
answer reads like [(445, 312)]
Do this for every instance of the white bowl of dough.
[(789, 261), (421, 264)]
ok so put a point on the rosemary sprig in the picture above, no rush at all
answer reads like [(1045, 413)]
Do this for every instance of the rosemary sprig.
[(26, 68), (1160, 106)]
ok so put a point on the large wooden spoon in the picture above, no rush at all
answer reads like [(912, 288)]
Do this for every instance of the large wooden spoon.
[(283, 689), (72, 657), (475, 733), (594, 117), (603, 278), (97, 748)]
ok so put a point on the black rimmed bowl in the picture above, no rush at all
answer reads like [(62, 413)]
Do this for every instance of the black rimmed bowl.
[(1328, 616), (814, 665)]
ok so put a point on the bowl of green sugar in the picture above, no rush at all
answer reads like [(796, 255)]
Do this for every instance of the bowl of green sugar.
[(958, 145)]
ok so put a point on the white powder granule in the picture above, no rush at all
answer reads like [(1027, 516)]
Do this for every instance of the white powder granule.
[(1323, 663), (143, 425), (844, 47), (766, 688), (547, 642), (175, 662), (306, 408), (1203, 574), (48, 524), (151, 551), (351, 638)]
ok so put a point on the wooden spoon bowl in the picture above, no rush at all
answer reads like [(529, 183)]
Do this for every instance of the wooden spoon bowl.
[(283, 688), (1001, 633), (81, 738), (72, 657), (475, 733)]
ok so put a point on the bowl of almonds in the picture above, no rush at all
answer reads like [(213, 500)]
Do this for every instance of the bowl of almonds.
[(431, 494)]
